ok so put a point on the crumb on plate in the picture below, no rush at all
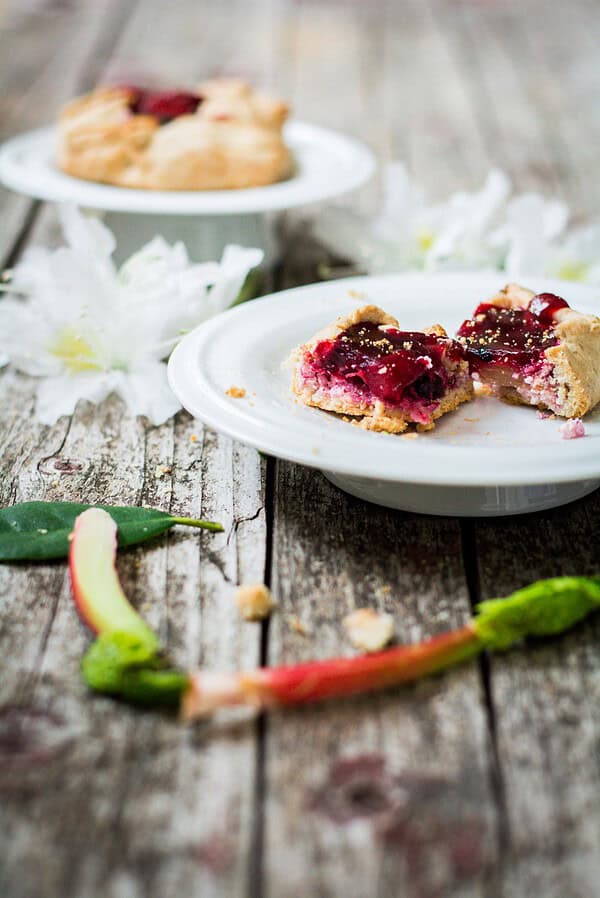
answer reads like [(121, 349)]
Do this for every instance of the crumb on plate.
[(369, 630), (572, 429), (254, 601), (235, 392)]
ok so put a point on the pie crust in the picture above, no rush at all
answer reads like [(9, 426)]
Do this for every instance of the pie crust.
[(569, 384), (371, 413), (232, 140)]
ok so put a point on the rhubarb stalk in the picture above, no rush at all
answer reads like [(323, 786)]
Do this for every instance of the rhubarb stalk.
[(542, 609), (126, 659)]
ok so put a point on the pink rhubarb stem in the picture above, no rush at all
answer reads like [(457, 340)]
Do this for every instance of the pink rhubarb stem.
[(334, 678)]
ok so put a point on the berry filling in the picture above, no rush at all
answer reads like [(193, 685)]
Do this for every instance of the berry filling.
[(506, 347), (369, 362), (164, 105), (511, 339)]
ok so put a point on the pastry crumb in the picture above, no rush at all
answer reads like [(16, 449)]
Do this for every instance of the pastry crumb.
[(235, 392), (368, 630), (162, 471), (55, 482), (572, 429), (298, 626), (254, 601), (315, 450), (472, 420), (193, 438), (357, 294), (409, 436)]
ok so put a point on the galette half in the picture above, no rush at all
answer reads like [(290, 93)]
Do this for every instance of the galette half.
[(535, 350), (363, 366)]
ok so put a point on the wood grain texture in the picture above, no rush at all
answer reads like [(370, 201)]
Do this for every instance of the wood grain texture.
[(390, 794), (546, 704), (482, 783)]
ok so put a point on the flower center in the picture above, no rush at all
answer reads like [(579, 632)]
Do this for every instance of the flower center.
[(573, 271), (425, 240), (74, 352)]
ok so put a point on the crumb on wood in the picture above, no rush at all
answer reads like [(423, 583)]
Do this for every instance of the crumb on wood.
[(193, 438), (162, 471), (298, 626), (254, 601), (384, 590), (55, 482), (369, 630), (235, 392)]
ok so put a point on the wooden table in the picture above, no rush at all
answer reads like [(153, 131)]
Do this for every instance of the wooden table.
[(482, 782)]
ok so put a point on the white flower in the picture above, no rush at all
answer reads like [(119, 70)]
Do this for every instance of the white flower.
[(531, 224), (523, 235), (408, 233), (577, 258), (90, 329)]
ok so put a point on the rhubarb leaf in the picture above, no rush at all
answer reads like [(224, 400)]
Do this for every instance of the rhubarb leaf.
[(39, 531), (544, 608), (123, 665)]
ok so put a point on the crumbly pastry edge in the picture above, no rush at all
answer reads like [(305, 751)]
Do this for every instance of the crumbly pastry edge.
[(372, 416), (575, 359)]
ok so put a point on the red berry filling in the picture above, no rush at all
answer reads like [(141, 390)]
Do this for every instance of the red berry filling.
[(513, 340), (164, 105), (372, 362)]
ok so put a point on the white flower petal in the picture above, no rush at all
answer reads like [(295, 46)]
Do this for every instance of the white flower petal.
[(147, 392), (85, 233), (59, 395)]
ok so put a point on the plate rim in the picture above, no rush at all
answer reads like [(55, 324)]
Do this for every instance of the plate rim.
[(232, 423), (270, 198)]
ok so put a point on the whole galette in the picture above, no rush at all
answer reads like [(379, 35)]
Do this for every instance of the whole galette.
[(223, 135)]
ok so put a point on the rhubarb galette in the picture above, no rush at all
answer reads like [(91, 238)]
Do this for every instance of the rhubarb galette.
[(535, 350), (364, 367), (222, 135)]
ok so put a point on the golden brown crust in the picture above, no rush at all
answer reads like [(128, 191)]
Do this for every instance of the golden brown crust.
[(575, 359), (233, 140), (368, 415)]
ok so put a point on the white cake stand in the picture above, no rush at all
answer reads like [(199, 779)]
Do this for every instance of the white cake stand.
[(327, 165)]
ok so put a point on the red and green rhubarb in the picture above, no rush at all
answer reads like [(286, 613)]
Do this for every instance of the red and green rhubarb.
[(126, 660)]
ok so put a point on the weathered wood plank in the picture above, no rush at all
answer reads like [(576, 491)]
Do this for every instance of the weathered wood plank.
[(390, 794), (546, 700), (48, 54), (124, 802)]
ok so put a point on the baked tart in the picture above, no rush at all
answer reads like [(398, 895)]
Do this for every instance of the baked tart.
[(223, 135), (367, 369), (534, 349)]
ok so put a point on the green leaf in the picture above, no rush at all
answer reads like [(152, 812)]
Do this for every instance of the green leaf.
[(544, 608), (39, 531), (122, 664)]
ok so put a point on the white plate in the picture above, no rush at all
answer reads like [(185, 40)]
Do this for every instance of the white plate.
[(328, 164), (484, 458)]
